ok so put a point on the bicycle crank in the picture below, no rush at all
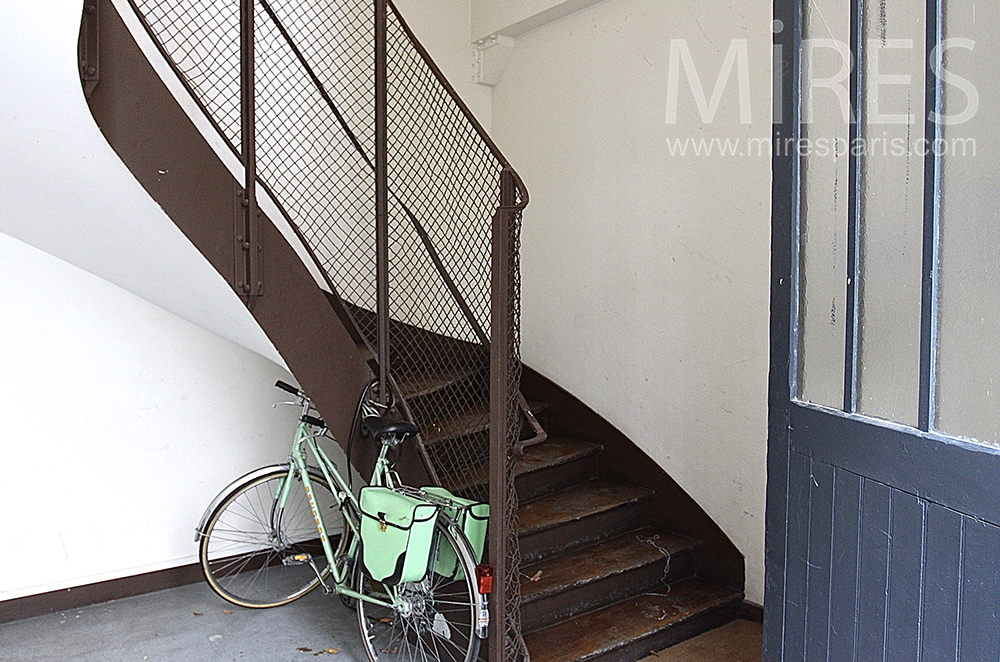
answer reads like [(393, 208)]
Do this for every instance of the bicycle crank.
[(307, 559)]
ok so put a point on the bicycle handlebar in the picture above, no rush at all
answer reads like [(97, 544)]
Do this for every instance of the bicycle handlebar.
[(287, 387), (312, 420)]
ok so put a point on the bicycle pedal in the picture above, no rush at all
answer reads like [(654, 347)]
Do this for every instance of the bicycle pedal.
[(297, 559)]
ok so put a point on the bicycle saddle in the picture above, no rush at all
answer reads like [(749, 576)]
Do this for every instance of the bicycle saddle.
[(386, 427)]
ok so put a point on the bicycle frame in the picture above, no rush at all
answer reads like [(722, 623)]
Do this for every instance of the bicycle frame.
[(347, 502), (305, 446)]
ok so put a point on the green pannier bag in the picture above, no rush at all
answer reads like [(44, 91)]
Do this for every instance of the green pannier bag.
[(472, 517), (397, 532)]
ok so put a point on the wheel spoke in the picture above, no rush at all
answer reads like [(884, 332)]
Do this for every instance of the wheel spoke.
[(440, 614), (243, 556)]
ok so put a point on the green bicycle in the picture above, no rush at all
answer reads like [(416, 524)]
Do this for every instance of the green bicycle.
[(407, 559)]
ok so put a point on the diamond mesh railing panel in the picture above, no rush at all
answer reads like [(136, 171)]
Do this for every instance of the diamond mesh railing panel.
[(315, 154), (202, 39)]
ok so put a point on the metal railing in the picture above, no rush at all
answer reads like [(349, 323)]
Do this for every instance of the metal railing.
[(405, 203)]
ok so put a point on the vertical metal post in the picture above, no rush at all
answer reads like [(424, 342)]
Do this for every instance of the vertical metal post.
[(933, 102), (855, 217), (382, 195), (89, 48), (249, 283), (500, 400)]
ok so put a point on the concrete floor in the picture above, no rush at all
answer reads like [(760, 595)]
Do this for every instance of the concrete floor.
[(192, 624), (163, 627)]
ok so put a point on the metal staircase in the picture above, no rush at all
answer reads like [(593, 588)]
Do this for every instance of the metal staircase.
[(410, 215)]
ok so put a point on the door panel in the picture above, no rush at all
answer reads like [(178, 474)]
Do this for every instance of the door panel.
[(942, 594), (906, 544), (883, 532), (877, 573), (821, 497), (844, 565), (874, 571)]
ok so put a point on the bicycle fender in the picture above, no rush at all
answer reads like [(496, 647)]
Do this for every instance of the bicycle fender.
[(199, 531)]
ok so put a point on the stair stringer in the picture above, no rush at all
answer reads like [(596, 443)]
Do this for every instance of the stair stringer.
[(171, 159), (672, 509)]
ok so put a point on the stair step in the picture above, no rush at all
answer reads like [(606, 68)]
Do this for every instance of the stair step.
[(630, 629), (459, 424), (546, 467), (579, 515), (419, 384), (474, 419), (603, 573)]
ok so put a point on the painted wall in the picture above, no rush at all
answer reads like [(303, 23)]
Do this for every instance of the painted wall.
[(645, 273), (515, 17), (64, 189), (442, 26), (135, 384), (119, 422)]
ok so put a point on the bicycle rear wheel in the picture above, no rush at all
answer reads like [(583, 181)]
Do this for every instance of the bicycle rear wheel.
[(439, 619), (255, 555)]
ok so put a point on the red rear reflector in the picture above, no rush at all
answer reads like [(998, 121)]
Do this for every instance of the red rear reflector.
[(484, 575)]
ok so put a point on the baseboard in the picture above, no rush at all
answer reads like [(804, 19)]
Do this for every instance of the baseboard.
[(752, 612), (89, 594)]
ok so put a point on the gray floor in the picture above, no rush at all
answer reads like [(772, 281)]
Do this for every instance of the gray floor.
[(163, 627)]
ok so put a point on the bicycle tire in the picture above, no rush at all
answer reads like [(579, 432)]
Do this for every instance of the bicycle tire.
[(249, 563), (443, 614)]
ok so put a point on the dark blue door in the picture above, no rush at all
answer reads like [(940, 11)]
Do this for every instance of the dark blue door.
[(883, 533)]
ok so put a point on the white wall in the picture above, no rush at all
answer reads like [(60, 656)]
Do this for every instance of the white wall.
[(128, 398), (64, 189), (119, 422), (515, 17), (645, 275), (443, 26)]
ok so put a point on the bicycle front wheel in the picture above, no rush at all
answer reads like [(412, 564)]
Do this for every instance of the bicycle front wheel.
[(437, 619), (255, 554)]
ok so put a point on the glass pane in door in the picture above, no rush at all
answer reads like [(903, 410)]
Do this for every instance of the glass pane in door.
[(892, 210), (969, 323), (827, 63)]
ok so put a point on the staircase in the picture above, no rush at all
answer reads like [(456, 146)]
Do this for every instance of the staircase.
[(615, 559), (600, 578)]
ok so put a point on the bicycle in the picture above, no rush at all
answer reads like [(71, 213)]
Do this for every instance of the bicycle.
[(263, 543)]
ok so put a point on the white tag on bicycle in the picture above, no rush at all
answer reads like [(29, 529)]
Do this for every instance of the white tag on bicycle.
[(484, 618), (440, 626)]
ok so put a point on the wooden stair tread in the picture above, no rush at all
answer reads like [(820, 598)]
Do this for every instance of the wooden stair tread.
[(474, 419), (417, 384), (576, 503), (605, 559), (603, 630), (470, 421), (550, 453)]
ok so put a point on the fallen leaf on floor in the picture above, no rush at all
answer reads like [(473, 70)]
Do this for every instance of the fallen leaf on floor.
[(332, 651), (385, 620), (196, 613), (227, 611), (304, 649)]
